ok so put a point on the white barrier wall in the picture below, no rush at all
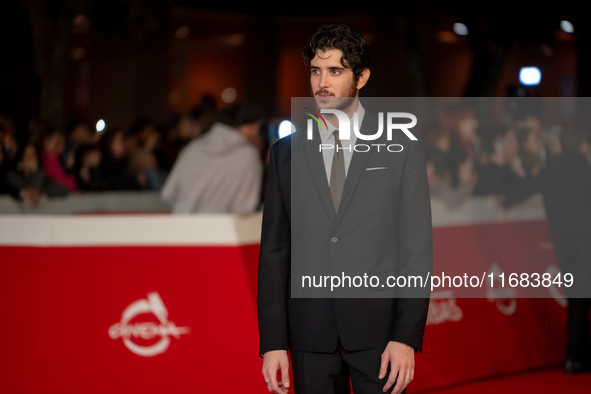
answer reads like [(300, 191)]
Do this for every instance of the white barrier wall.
[(88, 202), (69, 285), (199, 229)]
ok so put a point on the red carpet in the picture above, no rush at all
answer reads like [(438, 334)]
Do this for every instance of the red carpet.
[(540, 382)]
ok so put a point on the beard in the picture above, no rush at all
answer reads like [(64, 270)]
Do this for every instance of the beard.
[(340, 103)]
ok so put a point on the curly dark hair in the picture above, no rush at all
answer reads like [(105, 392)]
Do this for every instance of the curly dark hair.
[(355, 48)]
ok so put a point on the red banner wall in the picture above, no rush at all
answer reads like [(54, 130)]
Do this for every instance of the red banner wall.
[(192, 309)]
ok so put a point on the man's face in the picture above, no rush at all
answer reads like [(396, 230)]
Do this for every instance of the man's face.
[(328, 78)]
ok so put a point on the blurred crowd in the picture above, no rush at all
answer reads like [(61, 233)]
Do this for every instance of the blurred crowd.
[(43, 160), (199, 166), (466, 159)]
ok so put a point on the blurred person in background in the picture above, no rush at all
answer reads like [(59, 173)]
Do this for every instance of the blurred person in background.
[(113, 167), (565, 184), (531, 148), (4, 168), (171, 145), (78, 134), (30, 179), (439, 179), (8, 139), (504, 170), (189, 126), (31, 133), (220, 171), (88, 169), (8, 153), (534, 123), (257, 138), (198, 120), (145, 138), (29, 195), (459, 120), (8, 186), (437, 145), (52, 146)]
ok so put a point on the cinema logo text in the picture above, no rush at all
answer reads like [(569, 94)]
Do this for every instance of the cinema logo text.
[(504, 297), (345, 129), (146, 330), (443, 308)]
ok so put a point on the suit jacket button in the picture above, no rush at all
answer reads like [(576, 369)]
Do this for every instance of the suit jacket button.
[(334, 239)]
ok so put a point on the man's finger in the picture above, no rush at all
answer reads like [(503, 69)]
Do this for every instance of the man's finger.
[(285, 374), (267, 378), (409, 374), (384, 365), (274, 386), (401, 381), (270, 374), (392, 377)]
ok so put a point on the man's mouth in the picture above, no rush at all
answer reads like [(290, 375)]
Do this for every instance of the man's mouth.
[(324, 94)]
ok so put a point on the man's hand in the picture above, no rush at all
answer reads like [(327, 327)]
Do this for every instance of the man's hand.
[(30, 196), (466, 173), (499, 201), (273, 361), (402, 359)]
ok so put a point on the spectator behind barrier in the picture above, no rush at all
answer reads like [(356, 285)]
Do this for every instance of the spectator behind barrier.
[(53, 145), (145, 138), (114, 168), (31, 180), (187, 127), (459, 120), (220, 171), (531, 148), (504, 171), (437, 145), (88, 168)]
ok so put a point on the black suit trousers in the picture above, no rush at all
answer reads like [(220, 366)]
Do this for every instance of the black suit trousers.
[(335, 373)]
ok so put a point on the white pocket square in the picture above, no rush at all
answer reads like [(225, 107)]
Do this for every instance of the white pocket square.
[(376, 168)]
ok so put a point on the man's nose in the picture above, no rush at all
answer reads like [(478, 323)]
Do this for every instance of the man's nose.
[(324, 83)]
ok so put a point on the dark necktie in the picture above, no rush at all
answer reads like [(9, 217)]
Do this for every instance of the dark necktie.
[(337, 173)]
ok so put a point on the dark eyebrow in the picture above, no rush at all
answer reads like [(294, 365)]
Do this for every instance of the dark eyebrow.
[(330, 68)]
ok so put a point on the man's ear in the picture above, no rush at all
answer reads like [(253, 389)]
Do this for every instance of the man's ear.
[(363, 78)]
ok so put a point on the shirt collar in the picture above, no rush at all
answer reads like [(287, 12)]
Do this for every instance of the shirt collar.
[(325, 134)]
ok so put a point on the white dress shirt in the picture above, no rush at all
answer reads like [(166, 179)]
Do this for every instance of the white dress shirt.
[(327, 137)]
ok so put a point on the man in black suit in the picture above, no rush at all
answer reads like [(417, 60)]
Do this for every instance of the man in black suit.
[(351, 210), (565, 184)]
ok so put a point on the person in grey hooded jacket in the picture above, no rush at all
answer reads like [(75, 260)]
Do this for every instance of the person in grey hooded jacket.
[(221, 171)]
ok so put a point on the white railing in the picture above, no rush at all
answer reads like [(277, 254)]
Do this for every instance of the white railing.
[(88, 202), (40, 228)]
